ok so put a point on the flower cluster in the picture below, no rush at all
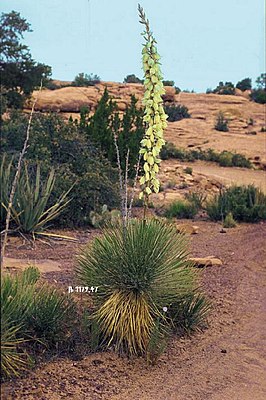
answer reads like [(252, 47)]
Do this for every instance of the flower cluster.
[(154, 114)]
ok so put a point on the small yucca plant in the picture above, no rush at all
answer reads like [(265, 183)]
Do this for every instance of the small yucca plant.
[(17, 297), (30, 211), (138, 271)]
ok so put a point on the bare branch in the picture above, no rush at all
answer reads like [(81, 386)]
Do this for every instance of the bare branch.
[(16, 178)]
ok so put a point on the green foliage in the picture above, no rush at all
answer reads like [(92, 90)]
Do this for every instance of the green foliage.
[(229, 221), (104, 218), (176, 112), (188, 170), (139, 270), (244, 84), (30, 210), (259, 93), (50, 317), (132, 78), (197, 198), (168, 83), (245, 203), (85, 80), (225, 158), (105, 124), (32, 313), (225, 88), (181, 209), (221, 123), (65, 147), (190, 313), (20, 74)]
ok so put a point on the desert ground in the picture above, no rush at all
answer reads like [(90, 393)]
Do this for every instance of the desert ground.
[(226, 361)]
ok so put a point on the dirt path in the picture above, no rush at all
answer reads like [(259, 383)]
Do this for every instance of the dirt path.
[(225, 362), (230, 175)]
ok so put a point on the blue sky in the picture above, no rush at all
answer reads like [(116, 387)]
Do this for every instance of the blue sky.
[(201, 42)]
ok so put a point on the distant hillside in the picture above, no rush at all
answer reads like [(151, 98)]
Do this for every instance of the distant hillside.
[(246, 118)]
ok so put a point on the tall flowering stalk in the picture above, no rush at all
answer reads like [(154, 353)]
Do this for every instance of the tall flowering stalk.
[(154, 115)]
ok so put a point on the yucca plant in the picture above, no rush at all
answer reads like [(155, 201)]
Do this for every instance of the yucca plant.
[(30, 210), (17, 295), (13, 361), (50, 317), (5, 184), (138, 271)]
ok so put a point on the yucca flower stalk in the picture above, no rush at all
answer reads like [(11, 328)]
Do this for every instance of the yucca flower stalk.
[(154, 115)]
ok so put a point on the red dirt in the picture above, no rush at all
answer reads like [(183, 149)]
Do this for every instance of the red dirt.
[(225, 362)]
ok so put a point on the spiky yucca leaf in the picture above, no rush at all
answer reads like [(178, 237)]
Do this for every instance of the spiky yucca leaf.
[(30, 211), (12, 361), (138, 271), (5, 184)]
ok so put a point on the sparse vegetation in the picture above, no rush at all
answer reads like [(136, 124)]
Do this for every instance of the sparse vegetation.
[(221, 123), (225, 88), (245, 203), (132, 78), (229, 221), (85, 80), (188, 170), (176, 112), (244, 84), (181, 209), (225, 158)]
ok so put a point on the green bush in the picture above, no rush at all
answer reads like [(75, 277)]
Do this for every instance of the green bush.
[(132, 78), (258, 95), (221, 123), (229, 221), (140, 271), (225, 158), (245, 203), (244, 84), (63, 146), (35, 314), (225, 88), (188, 170), (176, 112), (168, 83), (84, 80), (181, 209)]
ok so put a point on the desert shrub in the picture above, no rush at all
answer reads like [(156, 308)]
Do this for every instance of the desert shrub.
[(189, 314), (244, 84), (104, 217), (181, 209), (245, 203), (221, 123), (30, 210), (197, 198), (17, 294), (225, 88), (140, 271), (177, 90), (229, 221), (64, 146), (263, 129), (30, 313), (188, 170), (176, 112), (258, 94), (225, 158), (83, 79), (168, 83), (132, 78), (51, 316)]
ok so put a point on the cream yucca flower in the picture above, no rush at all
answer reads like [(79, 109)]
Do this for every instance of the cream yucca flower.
[(154, 115)]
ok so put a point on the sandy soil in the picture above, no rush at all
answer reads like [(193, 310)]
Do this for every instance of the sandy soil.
[(230, 175), (226, 361)]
